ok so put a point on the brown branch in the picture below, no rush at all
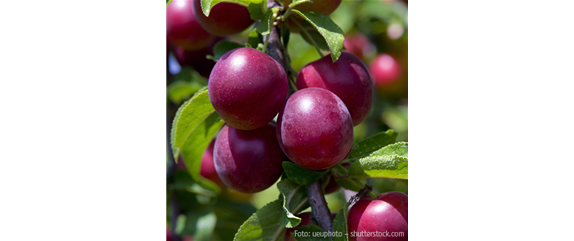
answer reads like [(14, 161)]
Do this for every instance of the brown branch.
[(320, 212)]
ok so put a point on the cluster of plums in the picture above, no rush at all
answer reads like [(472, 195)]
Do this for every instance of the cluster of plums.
[(193, 34), (249, 89), (314, 127)]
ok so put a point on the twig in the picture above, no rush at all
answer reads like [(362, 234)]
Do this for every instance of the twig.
[(319, 209)]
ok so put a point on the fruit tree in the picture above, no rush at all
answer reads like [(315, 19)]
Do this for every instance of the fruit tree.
[(282, 128)]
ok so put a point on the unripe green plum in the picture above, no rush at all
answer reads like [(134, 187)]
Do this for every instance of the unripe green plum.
[(224, 18), (248, 161), (247, 88), (388, 213), (315, 129)]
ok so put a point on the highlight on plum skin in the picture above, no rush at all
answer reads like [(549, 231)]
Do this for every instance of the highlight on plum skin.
[(389, 212), (348, 78), (247, 88), (315, 129)]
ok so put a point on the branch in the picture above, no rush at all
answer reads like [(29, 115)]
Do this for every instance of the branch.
[(319, 210)]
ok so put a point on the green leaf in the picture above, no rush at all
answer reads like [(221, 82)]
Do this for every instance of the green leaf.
[(224, 46), (194, 126), (257, 8), (179, 91), (285, 37), (230, 216), (198, 224), (340, 224), (310, 233), (316, 37), (373, 143), (184, 182), (254, 39), (263, 225), (349, 183), (264, 27), (328, 29), (294, 3), (168, 2), (301, 175), (295, 199), (390, 162)]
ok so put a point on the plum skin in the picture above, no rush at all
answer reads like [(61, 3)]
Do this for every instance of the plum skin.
[(247, 88), (224, 18), (197, 58), (315, 129), (348, 78), (182, 27), (207, 169), (359, 45), (385, 70), (389, 212), (248, 161)]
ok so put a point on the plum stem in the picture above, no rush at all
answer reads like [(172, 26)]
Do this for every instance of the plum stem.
[(277, 51)]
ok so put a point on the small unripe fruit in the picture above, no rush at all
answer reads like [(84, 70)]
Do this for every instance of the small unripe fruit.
[(385, 70), (248, 161), (182, 27), (315, 129), (389, 212), (348, 78), (224, 18), (247, 88)]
